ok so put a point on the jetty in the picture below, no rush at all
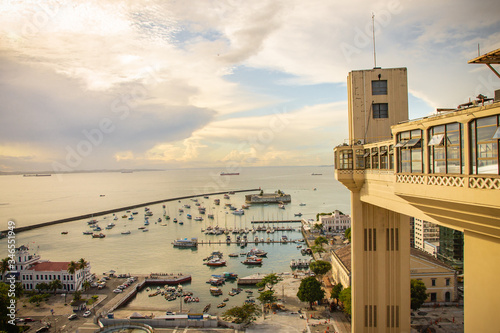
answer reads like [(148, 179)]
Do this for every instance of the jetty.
[(224, 242), (114, 210), (268, 198), (281, 221)]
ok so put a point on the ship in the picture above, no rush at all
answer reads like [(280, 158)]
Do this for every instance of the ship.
[(229, 173)]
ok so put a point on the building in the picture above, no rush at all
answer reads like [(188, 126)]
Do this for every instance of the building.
[(336, 222), (443, 169), (439, 278), (426, 236), (33, 271), (451, 247)]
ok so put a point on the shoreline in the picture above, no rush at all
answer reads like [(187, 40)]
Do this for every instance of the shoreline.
[(109, 211)]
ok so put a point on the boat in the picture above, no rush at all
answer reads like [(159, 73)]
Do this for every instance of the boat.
[(175, 220), (115, 218), (281, 206), (181, 223), (215, 291), (216, 262), (316, 174), (302, 204), (124, 216), (229, 173), (217, 201), (131, 217), (64, 232), (230, 276), (144, 230), (245, 206), (187, 206), (141, 228), (87, 232), (146, 222), (193, 242), (226, 196), (207, 307), (221, 305), (126, 232), (100, 235), (252, 261), (189, 217), (198, 218), (298, 214), (135, 213), (256, 252), (159, 219), (239, 212), (233, 255), (210, 216), (92, 222)]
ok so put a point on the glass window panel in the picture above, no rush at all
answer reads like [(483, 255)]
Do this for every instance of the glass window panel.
[(440, 166), (489, 166), (486, 121), (453, 152), (452, 137), (380, 110), (379, 87), (438, 129), (485, 133), (416, 134), (436, 140), (452, 127)]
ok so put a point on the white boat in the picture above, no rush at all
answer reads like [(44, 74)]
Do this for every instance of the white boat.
[(238, 212), (198, 218), (302, 204), (126, 232)]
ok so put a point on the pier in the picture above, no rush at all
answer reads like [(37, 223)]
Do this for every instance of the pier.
[(110, 211), (223, 242), (251, 280), (281, 221)]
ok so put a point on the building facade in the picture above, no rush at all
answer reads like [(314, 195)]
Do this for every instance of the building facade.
[(33, 271), (426, 236), (336, 222), (451, 247), (443, 169), (439, 278)]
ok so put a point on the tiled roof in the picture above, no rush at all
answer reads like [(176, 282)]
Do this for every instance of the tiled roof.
[(344, 254), (426, 256), (50, 266)]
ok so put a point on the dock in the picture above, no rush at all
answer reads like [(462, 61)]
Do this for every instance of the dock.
[(281, 221), (223, 242)]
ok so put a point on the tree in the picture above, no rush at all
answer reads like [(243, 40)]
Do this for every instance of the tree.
[(54, 285), (269, 281), (418, 294), (244, 314), (5, 302), (320, 240), (86, 285), (42, 286), (347, 234), (72, 267), (82, 263), (310, 291), (320, 267), (4, 267), (36, 299), (317, 249), (267, 297), (336, 292), (77, 296), (345, 298)]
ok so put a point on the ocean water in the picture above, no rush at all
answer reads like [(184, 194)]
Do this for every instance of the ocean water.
[(32, 200)]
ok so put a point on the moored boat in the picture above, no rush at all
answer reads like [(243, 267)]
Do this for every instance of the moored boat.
[(193, 242)]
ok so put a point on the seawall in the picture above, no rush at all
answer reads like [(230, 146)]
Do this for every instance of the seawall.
[(114, 210)]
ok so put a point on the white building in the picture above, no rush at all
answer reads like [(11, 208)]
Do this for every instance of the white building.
[(32, 271), (426, 232), (336, 222)]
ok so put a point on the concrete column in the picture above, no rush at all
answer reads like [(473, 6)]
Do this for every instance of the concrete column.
[(380, 264), (481, 279)]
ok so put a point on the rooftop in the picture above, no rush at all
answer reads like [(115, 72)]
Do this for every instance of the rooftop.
[(344, 254), (49, 266)]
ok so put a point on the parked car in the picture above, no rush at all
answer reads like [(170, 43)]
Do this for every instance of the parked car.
[(87, 314), (117, 291), (72, 316)]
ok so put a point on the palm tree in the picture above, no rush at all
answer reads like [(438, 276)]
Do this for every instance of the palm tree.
[(4, 267), (86, 285), (54, 285), (72, 267), (82, 263)]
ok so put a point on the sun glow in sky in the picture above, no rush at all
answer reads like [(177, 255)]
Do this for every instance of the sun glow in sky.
[(169, 84)]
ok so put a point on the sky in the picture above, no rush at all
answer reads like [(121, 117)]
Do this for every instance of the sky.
[(160, 84)]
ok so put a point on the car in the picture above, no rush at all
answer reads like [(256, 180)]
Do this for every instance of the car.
[(72, 316), (117, 291), (87, 314)]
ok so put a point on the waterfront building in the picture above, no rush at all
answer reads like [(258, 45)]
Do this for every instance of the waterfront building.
[(439, 278), (426, 236), (31, 270), (443, 169), (335, 222)]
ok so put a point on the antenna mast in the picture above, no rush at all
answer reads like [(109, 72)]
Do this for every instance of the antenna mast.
[(373, 29)]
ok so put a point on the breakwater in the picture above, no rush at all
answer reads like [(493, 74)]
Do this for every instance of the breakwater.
[(114, 210)]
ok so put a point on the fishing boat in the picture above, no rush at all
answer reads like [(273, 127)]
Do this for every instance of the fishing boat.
[(217, 201), (298, 214), (189, 217), (100, 235), (238, 212), (233, 255), (145, 229), (181, 223), (252, 261), (221, 305), (87, 232), (126, 232), (302, 204), (175, 220), (229, 173), (198, 218), (215, 291), (64, 232), (216, 262), (207, 307), (131, 217)]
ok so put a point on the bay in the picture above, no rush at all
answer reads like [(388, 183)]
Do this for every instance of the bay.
[(31, 200)]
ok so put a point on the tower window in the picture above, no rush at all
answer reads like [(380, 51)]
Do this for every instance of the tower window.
[(379, 87), (380, 110)]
